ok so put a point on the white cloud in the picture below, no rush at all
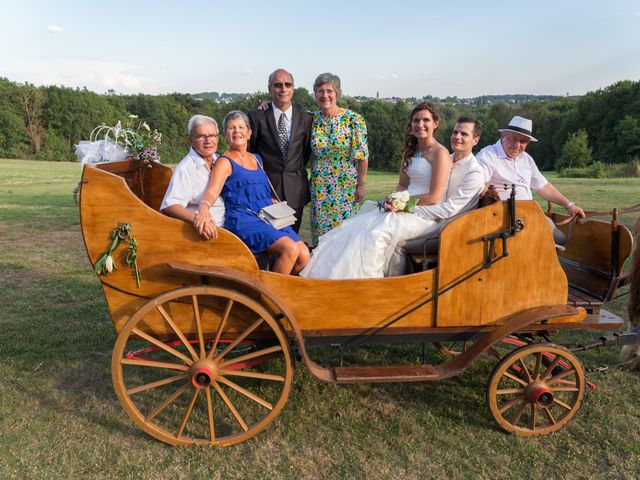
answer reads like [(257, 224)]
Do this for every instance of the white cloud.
[(94, 73), (379, 77), (394, 76), (54, 28), (246, 72)]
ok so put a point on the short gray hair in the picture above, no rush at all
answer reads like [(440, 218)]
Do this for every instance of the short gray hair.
[(329, 78), (235, 115), (200, 120)]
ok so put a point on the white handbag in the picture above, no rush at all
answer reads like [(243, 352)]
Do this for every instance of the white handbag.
[(278, 215)]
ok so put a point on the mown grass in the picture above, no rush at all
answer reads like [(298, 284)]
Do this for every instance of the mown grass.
[(59, 417)]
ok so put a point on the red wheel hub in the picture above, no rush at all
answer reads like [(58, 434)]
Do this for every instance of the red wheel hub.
[(202, 373), (542, 396)]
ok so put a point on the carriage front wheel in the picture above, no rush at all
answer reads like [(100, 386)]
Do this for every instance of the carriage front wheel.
[(536, 390), (202, 365)]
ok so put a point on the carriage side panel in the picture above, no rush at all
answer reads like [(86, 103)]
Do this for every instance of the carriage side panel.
[(530, 276), (105, 202)]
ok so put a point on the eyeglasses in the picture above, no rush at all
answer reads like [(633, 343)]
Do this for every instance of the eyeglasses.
[(282, 84), (202, 138)]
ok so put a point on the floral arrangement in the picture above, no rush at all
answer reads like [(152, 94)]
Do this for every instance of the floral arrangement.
[(111, 144), (398, 202), (106, 263)]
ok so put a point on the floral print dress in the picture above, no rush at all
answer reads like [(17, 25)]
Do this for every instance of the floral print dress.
[(339, 144)]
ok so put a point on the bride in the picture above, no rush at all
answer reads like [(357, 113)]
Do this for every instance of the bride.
[(361, 247)]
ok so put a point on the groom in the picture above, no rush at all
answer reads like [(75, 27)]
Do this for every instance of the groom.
[(281, 135), (466, 182)]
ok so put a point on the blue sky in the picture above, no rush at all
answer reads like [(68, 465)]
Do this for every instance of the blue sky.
[(398, 48)]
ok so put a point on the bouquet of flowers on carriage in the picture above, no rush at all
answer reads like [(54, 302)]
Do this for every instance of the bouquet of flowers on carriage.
[(113, 144)]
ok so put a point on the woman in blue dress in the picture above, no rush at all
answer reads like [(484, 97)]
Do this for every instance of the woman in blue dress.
[(239, 178)]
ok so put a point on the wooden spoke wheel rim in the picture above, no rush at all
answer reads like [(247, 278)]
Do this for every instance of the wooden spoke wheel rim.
[(219, 385), (536, 390)]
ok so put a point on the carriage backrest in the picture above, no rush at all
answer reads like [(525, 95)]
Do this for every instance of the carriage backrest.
[(594, 254), (147, 180)]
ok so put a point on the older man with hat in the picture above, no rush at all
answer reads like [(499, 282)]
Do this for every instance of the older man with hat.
[(506, 163)]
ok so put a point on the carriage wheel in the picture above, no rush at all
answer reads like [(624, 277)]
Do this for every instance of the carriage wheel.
[(202, 365), (536, 389)]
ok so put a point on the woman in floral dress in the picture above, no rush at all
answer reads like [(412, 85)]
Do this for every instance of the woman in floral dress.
[(339, 143)]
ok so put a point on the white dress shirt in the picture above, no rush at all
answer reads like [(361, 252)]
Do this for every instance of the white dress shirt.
[(188, 183), (466, 182), (288, 112), (500, 170)]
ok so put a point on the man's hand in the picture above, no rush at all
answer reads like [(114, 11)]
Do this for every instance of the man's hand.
[(574, 209)]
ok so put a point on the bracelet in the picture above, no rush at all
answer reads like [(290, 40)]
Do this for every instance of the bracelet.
[(569, 205), (205, 202)]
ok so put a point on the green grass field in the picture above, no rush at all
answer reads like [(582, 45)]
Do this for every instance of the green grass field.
[(59, 416)]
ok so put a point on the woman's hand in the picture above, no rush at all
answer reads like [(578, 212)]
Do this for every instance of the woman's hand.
[(204, 223), (360, 192), (388, 207), (264, 106)]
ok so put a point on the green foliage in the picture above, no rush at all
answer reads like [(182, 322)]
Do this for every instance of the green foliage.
[(610, 117), (627, 135), (575, 152)]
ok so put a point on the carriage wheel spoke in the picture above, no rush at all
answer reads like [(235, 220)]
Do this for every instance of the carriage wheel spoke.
[(244, 373), (507, 391), (249, 356), (550, 367), (156, 384), (138, 362), (231, 407), (532, 419), (525, 369), (515, 379), (167, 402), (196, 316), (212, 430), (163, 346), (511, 403), (561, 375), (536, 372), (238, 339), (518, 413), (188, 414), (221, 325), (564, 389), (246, 392), (549, 415), (562, 404), (177, 331)]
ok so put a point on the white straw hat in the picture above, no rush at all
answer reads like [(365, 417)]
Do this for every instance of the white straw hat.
[(520, 125)]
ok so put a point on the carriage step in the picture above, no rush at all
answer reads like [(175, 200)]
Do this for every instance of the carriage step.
[(387, 373)]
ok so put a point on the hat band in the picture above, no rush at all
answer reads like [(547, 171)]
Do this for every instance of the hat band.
[(520, 130)]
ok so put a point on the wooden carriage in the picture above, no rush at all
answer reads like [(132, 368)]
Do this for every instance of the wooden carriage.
[(204, 347)]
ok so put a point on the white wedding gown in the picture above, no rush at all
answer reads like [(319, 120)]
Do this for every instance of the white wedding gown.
[(362, 246)]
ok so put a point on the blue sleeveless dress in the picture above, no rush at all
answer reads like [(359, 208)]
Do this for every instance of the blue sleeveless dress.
[(244, 193)]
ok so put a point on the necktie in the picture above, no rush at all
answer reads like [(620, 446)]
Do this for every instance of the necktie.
[(282, 133)]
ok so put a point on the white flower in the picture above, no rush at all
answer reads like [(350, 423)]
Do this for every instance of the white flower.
[(146, 126), (133, 116), (398, 204), (404, 196), (108, 263)]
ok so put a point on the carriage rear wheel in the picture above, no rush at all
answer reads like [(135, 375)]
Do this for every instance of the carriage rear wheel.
[(536, 390), (202, 365)]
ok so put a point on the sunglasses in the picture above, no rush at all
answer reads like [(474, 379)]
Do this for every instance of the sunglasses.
[(282, 84)]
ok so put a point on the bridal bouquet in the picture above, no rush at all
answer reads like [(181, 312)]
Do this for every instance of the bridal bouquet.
[(398, 202), (112, 144)]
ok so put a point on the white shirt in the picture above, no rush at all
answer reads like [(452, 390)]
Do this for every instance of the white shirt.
[(500, 170), (466, 182), (288, 112), (188, 183)]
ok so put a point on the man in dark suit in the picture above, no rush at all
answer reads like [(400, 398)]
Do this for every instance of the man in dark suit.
[(281, 135)]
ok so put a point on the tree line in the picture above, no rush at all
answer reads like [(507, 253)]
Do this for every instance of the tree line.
[(601, 127)]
